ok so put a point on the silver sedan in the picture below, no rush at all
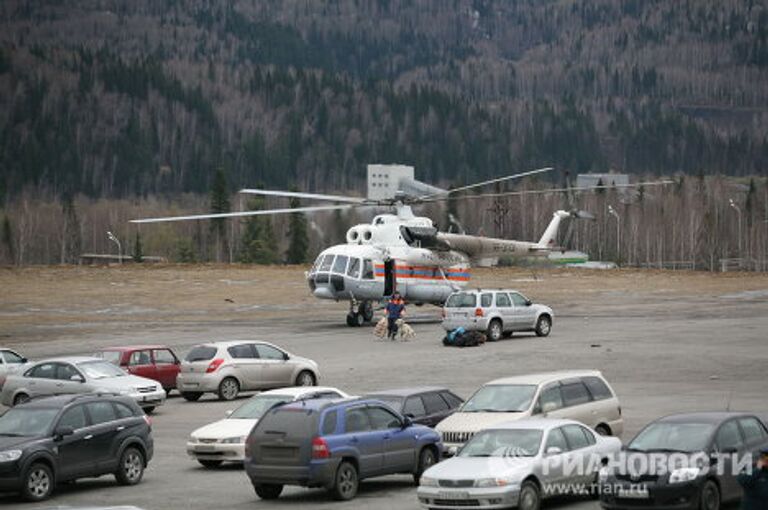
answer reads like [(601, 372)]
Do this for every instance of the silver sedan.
[(517, 464)]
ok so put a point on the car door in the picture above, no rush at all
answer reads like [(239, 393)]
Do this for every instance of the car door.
[(505, 310), (278, 371), (578, 403), (581, 445), (103, 431), (525, 314), (550, 401), (413, 407), (552, 468), (166, 367), (74, 457), (436, 408), (140, 363), (41, 379), (399, 442), (69, 380), (729, 443), (368, 443), (245, 363)]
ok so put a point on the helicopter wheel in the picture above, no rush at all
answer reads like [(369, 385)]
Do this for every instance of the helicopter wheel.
[(366, 310), (355, 320)]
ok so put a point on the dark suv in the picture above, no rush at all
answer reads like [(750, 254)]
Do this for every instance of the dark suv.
[(51, 440), (333, 444), (428, 405)]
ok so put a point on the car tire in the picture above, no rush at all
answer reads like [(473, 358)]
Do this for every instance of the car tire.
[(530, 499), (20, 399), (427, 458), (709, 498), (543, 326), (603, 430), (495, 331), (268, 490), (130, 469), (228, 388), (209, 464), (346, 482), (305, 378), (38, 482), (191, 396)]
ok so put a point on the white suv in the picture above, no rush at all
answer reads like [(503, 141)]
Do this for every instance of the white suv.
[(582, 395), (497, 312)]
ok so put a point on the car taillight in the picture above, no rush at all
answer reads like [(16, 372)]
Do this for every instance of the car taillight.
[(320, 448), (478, 312), (214, 365)]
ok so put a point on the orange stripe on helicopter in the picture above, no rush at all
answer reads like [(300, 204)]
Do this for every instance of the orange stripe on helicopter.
[(426, 273)]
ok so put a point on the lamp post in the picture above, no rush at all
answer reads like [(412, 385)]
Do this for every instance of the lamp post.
[(733, 204), (115, 240), (613, 213)]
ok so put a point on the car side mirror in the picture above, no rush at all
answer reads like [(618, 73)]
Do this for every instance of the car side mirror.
[(548, 407), (528, 302), (407, 422), (63, 432), (24, 360), (77, 378), (286, 357), (554, 450)]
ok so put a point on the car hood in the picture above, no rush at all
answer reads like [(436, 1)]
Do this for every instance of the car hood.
[(123, 382), (222, 429), (9, 443), (303, 361), (473, 468), (474, 422)]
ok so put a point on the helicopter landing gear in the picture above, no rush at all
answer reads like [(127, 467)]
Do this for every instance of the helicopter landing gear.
[(360, 313)]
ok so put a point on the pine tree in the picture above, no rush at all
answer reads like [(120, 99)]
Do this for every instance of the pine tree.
[(259, 245), (219, 196), (138, 254), (8, 240), (297, 233)]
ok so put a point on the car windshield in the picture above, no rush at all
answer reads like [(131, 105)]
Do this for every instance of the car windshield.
[(100, 370), (678, 437), (500, 398), (201, 353), (503, 443), (461, 300), (255, 408), (27, 421)]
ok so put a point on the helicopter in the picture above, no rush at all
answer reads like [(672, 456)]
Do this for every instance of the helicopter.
[(399, 251)]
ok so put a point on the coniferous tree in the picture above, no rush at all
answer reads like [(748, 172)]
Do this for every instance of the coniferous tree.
[(138, 253), (297, 233), (259, 245)]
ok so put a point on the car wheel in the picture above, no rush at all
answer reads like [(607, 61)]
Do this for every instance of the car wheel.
[(529, 497), (603, 430), (191, 396), (355, 320), (495, 330), (543, 326), (210, 464), (38, 483), (229, 388), (268, 490), (426, 460), (346, 482), (305, 378), (130, 470), (710, 496), (366, 310), (20, 399)]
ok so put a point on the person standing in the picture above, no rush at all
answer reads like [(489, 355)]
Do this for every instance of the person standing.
[(395, 310), (755, 485)]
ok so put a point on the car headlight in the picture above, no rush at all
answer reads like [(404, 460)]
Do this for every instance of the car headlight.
[(10, 455), (428, 482), (684, 475), (234, 440), (496, 482)]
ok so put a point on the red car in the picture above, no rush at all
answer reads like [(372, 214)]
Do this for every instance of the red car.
[(156, 362)]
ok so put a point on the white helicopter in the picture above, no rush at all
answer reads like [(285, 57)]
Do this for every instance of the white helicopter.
[(399, 251)]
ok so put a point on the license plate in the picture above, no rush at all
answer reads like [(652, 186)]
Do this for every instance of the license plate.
[(452, 495), (633, 493), (190, 385), (150, 399)]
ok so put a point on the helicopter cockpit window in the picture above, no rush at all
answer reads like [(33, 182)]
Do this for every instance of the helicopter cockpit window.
[(367, 269), (354, 268), (340, 266), (327, 263), (316, 265)]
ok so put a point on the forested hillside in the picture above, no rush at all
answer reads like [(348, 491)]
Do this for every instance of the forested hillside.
[(124, 98)]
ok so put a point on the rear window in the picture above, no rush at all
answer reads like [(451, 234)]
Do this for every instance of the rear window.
[(597, 388), (462, 300), (201, 353), (575, 394), (288, 421)]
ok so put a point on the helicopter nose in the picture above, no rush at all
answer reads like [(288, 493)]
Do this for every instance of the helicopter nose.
[(323, 293)]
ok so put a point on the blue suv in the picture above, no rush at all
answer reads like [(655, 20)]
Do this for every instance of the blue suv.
[(335, 444)]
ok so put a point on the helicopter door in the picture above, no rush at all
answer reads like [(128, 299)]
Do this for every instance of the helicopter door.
[(390, 281)]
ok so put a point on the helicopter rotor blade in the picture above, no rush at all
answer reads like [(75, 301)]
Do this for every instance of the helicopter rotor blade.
[(295, 194), (240, 214), (485, 183)]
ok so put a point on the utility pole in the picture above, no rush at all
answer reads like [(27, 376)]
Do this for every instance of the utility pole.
[(613, 213), (738, 211)]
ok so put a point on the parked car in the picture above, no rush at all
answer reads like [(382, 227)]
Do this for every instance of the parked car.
[(227, 368), (156, 362), (57, 439), (704, 486), (79, 374), (426, 405), (321, 443), (10, 363), (496, 312), (517, 464), (582, 395), (224, 440)]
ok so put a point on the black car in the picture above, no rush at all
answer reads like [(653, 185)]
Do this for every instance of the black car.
[(57, 439), (716, 445), (427, 405)]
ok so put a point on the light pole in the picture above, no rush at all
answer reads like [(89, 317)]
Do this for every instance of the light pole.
[(115, 240), (613, 213), (733, 204)]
